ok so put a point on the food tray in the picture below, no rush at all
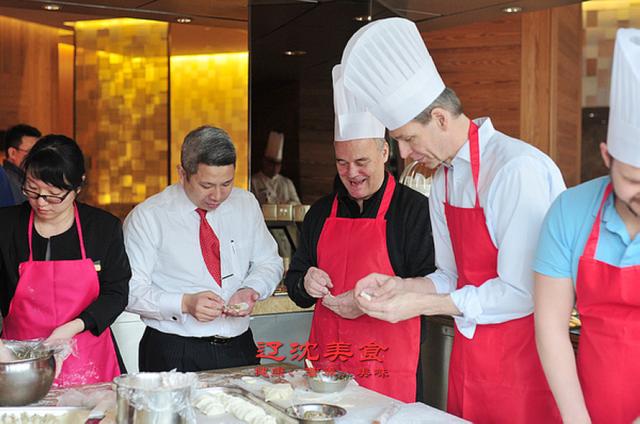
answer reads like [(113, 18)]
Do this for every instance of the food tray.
[(43, 415), (270, 408)]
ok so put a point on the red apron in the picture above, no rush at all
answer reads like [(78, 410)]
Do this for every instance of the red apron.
[(608, 299), (52, 293), (348, 250), (496, 377)]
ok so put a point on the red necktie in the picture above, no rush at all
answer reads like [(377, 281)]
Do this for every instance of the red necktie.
[(210, 246)]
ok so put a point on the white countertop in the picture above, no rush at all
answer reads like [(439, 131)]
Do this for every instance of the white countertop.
[(362, 405)]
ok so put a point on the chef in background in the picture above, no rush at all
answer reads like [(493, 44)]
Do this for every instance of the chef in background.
[(370, 223), (268, 185), (488, 200), (589, 255)]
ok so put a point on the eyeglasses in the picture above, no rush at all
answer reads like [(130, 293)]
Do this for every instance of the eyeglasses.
[(49, 198)]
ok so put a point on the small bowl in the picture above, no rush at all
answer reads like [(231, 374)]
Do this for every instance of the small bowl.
[(310, 413), (26, 380), (329, 383)]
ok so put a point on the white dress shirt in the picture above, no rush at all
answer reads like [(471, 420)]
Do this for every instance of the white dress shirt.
[(162, 238), (278, 189), (517, 185)]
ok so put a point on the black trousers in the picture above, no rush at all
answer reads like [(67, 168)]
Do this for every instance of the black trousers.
[(163, 352)]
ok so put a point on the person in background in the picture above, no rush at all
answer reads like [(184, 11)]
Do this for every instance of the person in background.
[(488, 200), (201, 257), (368, 224), (589, 255), (268, 185), (6, 196), (64, 272), (18, 141)]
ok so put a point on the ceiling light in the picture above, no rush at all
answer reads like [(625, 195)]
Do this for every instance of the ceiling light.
[(512, 9), (51, 7), (183, 20), (294, 52), (363, 18)]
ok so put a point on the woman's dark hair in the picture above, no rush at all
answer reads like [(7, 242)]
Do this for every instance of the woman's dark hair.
[(56, 160)]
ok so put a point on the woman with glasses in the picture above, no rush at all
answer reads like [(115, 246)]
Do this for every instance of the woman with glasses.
[(64, 272)]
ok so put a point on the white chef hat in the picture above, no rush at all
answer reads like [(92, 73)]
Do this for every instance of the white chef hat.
[(387, 66), (623, 138), (275, 143), (352, 120)]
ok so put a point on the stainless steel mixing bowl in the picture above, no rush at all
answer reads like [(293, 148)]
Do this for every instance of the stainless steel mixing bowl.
[(329, 382), (26, 380), (313, 413)]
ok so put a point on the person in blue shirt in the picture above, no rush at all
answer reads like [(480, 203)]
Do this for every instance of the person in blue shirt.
[(6, 198), (589, 255)]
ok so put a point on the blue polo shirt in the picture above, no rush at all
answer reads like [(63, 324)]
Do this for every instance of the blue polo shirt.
[(567, 226)]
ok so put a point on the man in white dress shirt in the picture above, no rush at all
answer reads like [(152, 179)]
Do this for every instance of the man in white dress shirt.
[(489, 196), (201, 256)]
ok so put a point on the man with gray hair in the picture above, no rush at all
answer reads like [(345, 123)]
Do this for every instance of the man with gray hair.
[(201, 256)]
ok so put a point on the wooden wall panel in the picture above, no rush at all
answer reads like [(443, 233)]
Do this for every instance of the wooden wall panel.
[(536, 79), (551, 85), (566, 89), (65, 91), (29, 75), (481, 62)]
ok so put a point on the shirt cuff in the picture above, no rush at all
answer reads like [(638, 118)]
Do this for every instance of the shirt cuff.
[(303, 292), (467, 302), (465, 327), (440, 282), (170, 307)]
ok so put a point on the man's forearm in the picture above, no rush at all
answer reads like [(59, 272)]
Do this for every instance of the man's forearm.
[(420, 285), (438, 304), (558, 362)]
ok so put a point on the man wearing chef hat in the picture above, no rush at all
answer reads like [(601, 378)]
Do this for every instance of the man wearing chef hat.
[(488, 200), (589, 253), (268, 185), (368, 224)]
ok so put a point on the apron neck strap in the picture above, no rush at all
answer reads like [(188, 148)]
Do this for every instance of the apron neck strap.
[(386, 197), (592, 241), (78, 227), (474, 156), (384, 204)]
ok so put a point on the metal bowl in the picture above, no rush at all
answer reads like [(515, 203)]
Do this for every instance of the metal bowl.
[(29, 378), (311, 413), (328, 383), (155, 397)]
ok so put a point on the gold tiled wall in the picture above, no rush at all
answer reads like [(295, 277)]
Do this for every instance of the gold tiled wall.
[(601, 19), (211, 89), (121, 111)]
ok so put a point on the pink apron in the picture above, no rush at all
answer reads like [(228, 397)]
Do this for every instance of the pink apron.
[(608, 299), (496, 377), (348, 250), (52, 293)]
